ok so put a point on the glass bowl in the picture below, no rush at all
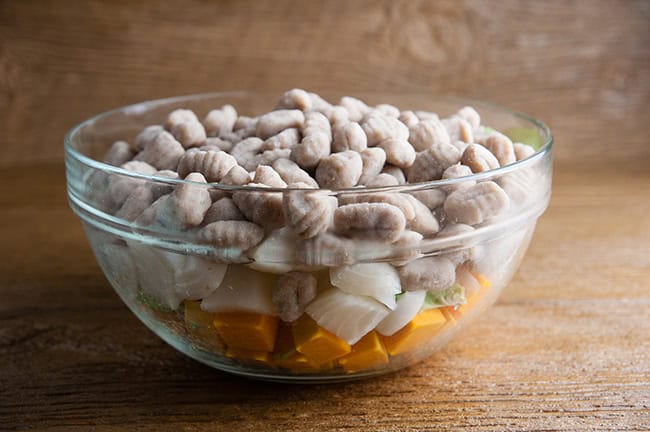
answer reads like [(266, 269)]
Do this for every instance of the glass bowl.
[(216, 301)]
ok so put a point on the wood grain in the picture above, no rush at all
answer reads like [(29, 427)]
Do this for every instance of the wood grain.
[(580, 66), (567, 347)]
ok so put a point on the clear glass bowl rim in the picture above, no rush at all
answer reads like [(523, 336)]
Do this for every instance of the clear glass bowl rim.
[(143, 106)]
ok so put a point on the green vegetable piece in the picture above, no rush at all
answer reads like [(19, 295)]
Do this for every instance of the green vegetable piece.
[(524, 135), (452, 296)]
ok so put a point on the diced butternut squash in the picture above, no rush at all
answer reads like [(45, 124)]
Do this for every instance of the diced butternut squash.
[(419, 330), (318, 344), (247, 331), (369, 352), (285, 354), (243, 354)]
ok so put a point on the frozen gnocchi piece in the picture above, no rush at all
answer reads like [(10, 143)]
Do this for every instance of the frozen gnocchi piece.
[(316, 142), (119, 153), (379, 127), (222, 210), (479, 159), (261, 207), (501, 147), (292, 292), (429, 274), (470, 115), (219, 121), (162, 152), (294, 99), (457, 171), (372, 162), (476, 204), (398, 152), (424, 222), (396, 199), (340, 170), (427, 133), (356, 108), (523, 151), (266, 175), (189, 133), (396, 172), (179, 116), (459, 129), (432, 198), (378, 221), (246, 151), (408, 118), (214, 165), (430, 164), (381, 180), (286, 139), (185, 207), (349, 136), (232, 234), (146, 136), (275, 122), (292, 173), (308, 213)]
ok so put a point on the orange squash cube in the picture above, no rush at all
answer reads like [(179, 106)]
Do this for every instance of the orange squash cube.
[(424, 326), (319, 345), (287, 356), (247, 331), (369, 352)]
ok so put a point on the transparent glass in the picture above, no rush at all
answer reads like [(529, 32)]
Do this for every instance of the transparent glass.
[(163, 272)]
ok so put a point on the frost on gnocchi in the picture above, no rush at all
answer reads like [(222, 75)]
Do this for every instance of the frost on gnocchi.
[(319, 238)]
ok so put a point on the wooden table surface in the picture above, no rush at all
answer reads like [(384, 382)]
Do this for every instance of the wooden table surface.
[(567, 346)]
